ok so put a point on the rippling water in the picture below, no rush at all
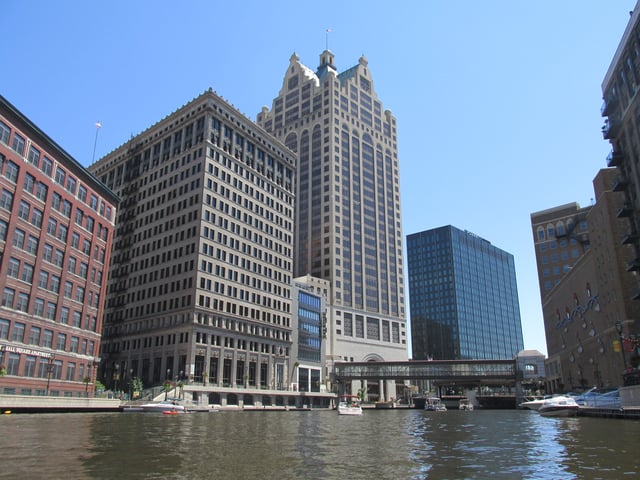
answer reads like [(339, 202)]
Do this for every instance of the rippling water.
[(389, 444)]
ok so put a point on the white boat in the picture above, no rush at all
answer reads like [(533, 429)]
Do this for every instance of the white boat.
[(534, 403), (560, 406), (349, 405), (465, 404), (158, 407), (434, 404)]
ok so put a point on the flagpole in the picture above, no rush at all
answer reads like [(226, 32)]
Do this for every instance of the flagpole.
[(326, 39), (95, 142)]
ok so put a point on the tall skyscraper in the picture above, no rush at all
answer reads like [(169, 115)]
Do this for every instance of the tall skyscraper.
[(463, 297), (56, 229), (347, 222), (201, 273)]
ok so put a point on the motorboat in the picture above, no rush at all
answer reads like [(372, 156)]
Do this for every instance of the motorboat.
[(534, 403), (349, 405), (434, 404), (158, 407), (600, 398), (560, 406), (465, 404)]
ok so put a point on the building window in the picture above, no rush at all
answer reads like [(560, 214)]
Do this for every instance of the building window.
[(4, 329), (47, 166), (34, 335), (18, 144), (7, 297), (22, 303), (4, 133), (17, 335), (13, 268), (34, 156), (61, 341), (6, 200)]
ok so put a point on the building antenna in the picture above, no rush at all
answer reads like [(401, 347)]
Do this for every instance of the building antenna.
[(326, 38), (95, 142)]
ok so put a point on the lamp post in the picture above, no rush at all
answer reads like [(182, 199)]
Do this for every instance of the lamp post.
[(619, 329), (49, 370), (2, 367), (167, 383), (130, 384), (86, 380), (116, 376)]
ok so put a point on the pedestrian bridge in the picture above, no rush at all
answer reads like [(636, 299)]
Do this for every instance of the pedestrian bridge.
[(471, 371)]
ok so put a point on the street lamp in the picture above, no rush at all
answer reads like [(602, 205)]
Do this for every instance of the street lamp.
[(619, 329), (86, 380), (116, 376), (49, 370)]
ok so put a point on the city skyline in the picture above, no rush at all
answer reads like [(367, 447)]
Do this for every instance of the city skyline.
[(475, 88)]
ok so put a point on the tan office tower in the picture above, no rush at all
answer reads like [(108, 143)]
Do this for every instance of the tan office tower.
[(201, 273), (348, 226)]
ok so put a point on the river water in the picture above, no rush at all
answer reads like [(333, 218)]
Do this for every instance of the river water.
[(388, 444)]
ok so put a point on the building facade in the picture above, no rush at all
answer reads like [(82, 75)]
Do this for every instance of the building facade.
[(310, 333), (589, 308), (463, 297), (621, 107), (348, 219), (200, 285), (56, 229), (560, 237)]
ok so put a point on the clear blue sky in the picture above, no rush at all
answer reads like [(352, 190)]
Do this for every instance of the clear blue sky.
[(498, 102)]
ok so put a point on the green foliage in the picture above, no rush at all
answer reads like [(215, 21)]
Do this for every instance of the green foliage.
[(99, 386), (136, 384)]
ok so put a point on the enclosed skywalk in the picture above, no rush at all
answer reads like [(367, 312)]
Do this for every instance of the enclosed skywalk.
[(465, 371)]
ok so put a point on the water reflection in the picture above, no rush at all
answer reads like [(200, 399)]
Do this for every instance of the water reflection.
[(398, 444)]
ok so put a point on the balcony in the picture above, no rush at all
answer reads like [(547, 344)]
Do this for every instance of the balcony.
[(625, 210), (610, 129), (633, 265), (630, 237), (615, 158), (607, 106), (619, 184)]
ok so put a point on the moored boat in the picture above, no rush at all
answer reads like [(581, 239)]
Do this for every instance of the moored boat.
[(434, 404), (465, 404), (349, 405), (158, 407), (560, 406)]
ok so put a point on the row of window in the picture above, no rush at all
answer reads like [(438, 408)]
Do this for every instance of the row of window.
[(18, 144), (33, 335)]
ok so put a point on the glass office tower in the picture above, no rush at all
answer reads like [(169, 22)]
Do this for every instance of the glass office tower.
[(463, 297)]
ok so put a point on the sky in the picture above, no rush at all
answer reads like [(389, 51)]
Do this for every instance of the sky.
[(497, 101)]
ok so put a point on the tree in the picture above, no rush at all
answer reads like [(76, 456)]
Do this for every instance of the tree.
[(136, 386)]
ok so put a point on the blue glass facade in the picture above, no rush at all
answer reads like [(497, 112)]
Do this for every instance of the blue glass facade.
[(309, 326), (463, 297)]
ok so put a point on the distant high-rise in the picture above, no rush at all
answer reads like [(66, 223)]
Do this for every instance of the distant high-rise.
[(463, 297), (348, 221)]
